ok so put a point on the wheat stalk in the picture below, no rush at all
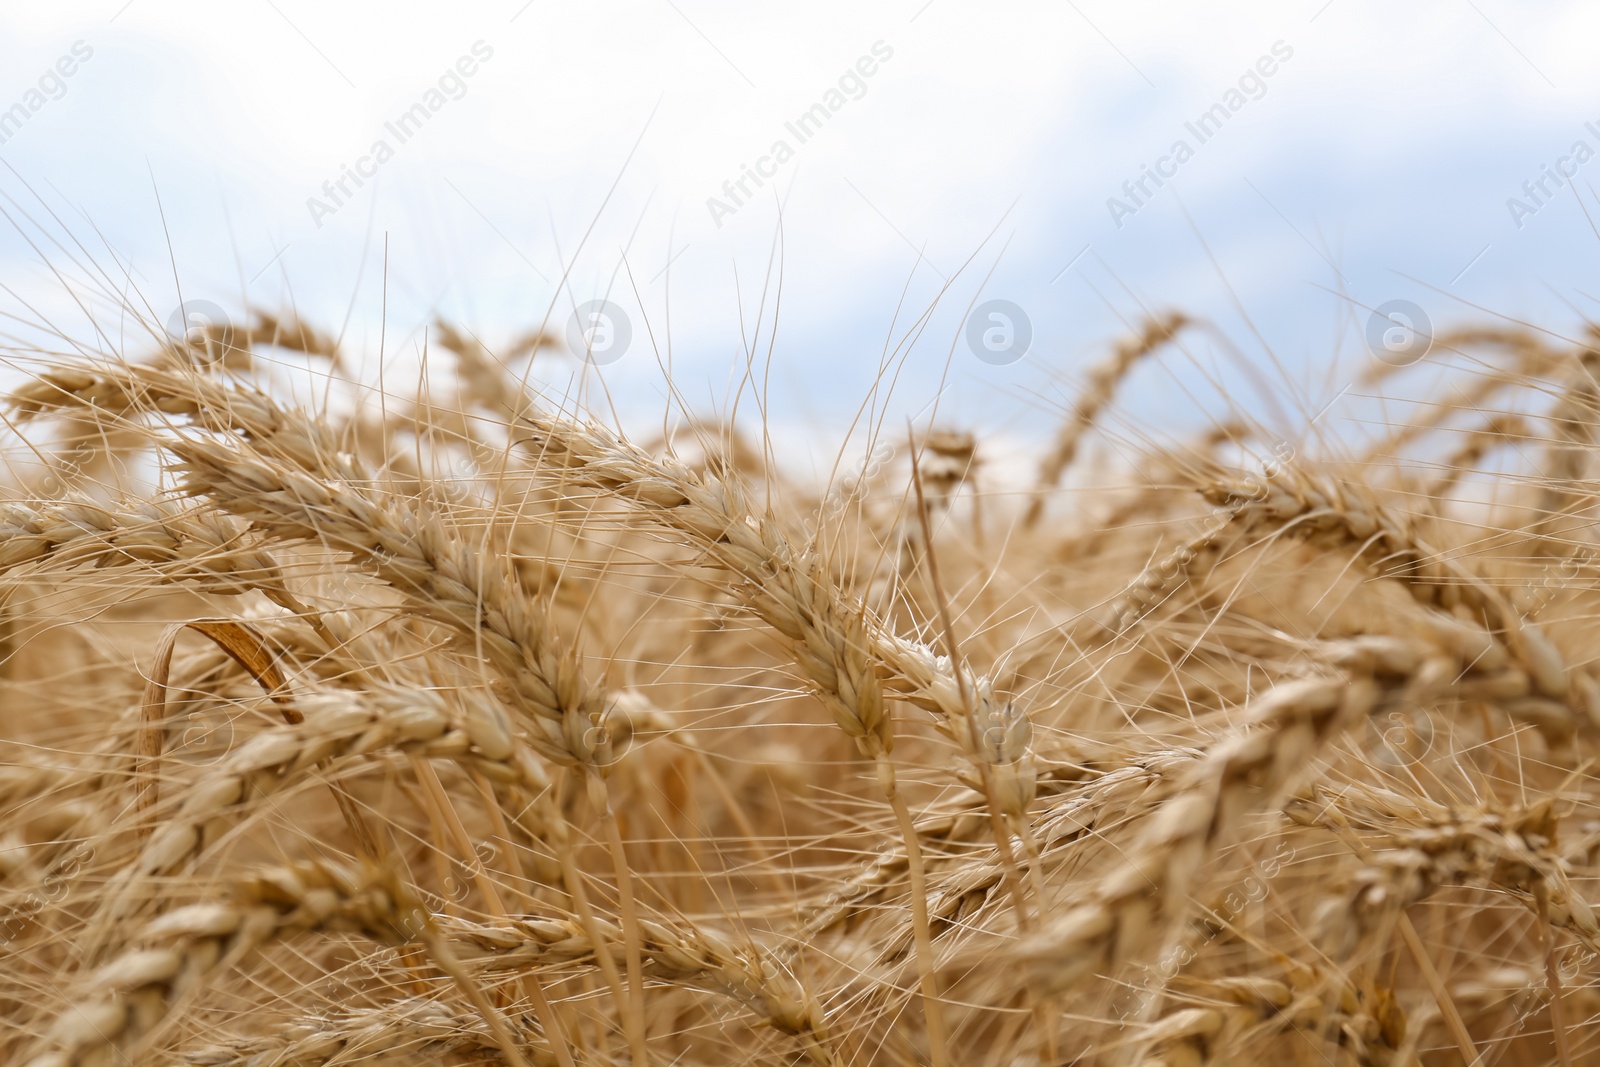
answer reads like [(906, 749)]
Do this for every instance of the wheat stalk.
[(129, 997), (1104, 377)]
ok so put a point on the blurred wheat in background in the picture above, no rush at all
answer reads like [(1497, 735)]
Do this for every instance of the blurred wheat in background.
[(451, 724)]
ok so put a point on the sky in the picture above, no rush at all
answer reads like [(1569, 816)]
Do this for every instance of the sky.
[(909, 171)]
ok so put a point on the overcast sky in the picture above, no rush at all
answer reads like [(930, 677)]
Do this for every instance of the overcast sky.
[(538, 156)]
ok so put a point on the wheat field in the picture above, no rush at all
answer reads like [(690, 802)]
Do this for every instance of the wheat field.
[(451, 724)]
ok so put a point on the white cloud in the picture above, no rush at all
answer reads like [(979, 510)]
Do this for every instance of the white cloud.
[(1389, 143)]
